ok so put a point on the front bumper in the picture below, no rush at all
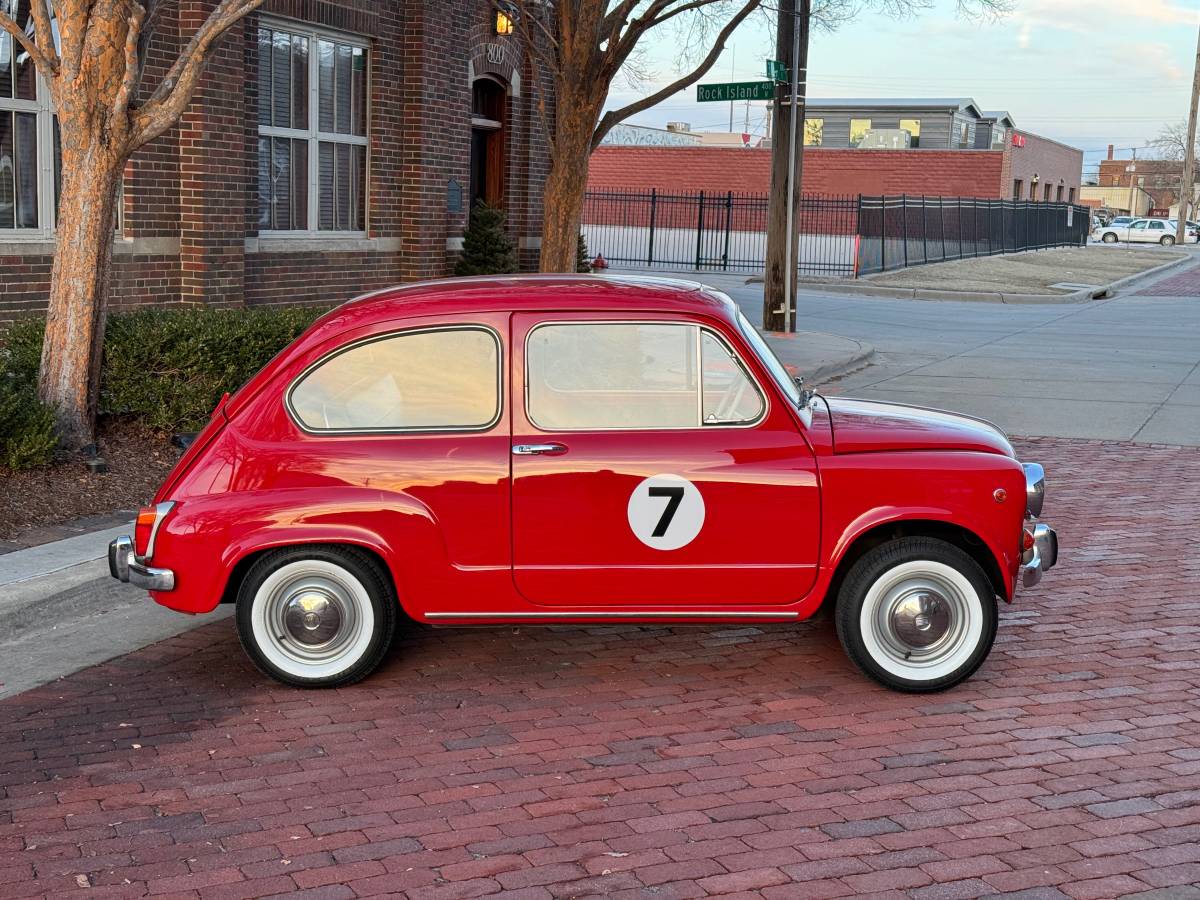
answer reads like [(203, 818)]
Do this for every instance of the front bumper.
[(124, 565), (1041, 556)]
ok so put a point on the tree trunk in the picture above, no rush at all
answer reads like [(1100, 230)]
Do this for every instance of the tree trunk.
[(75, 315), (566, 184)]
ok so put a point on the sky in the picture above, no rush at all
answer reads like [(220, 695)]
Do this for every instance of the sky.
[(1085, 72)]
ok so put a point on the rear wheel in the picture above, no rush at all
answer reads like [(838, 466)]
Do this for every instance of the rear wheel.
[(316, 616), (917, 614), (1167, 241), (1109, 238)]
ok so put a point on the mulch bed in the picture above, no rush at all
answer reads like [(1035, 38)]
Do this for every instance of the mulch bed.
[(138, 459)]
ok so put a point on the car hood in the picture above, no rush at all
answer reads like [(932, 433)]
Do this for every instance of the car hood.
[(870, 426)]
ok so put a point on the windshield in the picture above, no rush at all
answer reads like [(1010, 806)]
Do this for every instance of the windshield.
[(770, 360)]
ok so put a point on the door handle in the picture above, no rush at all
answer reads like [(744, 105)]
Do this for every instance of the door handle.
[(537, 449)]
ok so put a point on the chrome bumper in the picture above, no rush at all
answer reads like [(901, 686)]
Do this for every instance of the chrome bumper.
[(1041, 556), (123, 565)]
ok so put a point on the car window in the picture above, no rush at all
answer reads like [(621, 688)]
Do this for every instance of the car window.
[(1139, 226), (615, 375), (1156, 226), (430, 380)]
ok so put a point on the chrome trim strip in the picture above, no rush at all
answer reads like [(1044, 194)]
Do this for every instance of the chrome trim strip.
[(160, 513), (613, 614), (125, 567)]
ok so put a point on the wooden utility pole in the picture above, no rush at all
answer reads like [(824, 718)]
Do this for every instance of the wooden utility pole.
[(779, 282), (1188, 189)]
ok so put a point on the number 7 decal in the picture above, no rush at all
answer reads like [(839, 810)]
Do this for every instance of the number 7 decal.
[(675, 497), (666, 527)]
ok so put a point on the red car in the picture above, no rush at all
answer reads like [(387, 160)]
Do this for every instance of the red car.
[(550, 449)]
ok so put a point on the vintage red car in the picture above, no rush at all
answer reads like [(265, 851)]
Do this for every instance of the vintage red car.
[(550, 449)]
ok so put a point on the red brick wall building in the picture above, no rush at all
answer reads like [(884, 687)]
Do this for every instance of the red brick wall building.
[(355, 173), (987, 174)]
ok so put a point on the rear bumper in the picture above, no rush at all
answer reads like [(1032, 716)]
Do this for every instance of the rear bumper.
[(1041, 556), (124, 565)]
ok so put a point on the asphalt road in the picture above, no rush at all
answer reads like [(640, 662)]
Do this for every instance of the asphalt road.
[(1125, 368)]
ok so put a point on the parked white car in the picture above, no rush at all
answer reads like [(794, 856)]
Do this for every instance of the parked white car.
[(1144, 231)]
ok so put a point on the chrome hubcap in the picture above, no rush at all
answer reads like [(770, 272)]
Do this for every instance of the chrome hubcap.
[(921, 620), (313, 618)]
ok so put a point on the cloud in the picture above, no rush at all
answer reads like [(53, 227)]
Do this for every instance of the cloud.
[(1093, 16)]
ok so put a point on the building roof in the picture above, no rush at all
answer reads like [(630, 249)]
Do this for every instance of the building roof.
[(953, 103), (1000, 114)]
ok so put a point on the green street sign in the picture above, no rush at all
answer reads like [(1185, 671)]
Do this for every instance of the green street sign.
[(776, 70), (735, 90)]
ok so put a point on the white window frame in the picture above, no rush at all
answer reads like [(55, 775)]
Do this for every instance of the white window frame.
[(44, 110), (315, 136)]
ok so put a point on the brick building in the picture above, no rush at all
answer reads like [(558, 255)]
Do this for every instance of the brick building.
[(1141, 184), (334, 146), (1023, 167)]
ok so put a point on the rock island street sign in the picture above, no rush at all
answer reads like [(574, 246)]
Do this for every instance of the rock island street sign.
[(735, 90)]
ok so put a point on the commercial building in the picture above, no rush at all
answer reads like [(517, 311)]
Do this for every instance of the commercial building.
[(1140, 186), (938, 147), (333, 147)]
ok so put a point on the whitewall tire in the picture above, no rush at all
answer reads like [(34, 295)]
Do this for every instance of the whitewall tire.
[(917, 614), (316, 616)]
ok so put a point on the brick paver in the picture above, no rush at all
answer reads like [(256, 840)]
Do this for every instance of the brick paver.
[(652, 761), (1185, 284)]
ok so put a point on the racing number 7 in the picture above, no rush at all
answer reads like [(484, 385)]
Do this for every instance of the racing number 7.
[(674, 497)]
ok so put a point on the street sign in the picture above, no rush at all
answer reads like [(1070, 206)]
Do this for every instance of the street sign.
[(735, 90), (776, 71)]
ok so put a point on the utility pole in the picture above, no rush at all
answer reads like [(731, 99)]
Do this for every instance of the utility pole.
[(1188, 192), (787, 166)]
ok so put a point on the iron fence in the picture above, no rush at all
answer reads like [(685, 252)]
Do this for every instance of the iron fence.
[(710, 231), (839, 236), (896, 232)]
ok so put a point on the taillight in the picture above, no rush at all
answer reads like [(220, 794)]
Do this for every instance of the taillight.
[(145, 529)]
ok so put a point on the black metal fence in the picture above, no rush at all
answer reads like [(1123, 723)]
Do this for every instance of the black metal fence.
[(895, 232), (710, 231), (839, 236)]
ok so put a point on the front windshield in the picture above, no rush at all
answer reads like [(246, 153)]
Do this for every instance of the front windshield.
[(770, 360)]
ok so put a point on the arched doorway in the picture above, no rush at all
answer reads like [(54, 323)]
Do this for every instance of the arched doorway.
[(488, 113)]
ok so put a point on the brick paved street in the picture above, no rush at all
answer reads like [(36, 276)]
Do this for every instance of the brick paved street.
[(665, 762)]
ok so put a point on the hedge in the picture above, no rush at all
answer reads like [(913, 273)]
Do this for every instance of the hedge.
[(164, 367)]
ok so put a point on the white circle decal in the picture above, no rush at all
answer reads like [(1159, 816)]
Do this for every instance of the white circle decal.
[(666, 512)]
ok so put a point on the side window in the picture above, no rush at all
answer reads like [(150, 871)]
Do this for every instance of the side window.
[(1139, 226), (436, 380), (618, 375), (1156, 226)]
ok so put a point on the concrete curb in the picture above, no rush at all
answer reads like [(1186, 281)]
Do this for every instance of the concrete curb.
[(841, 364), (837, 369), (862, 289)]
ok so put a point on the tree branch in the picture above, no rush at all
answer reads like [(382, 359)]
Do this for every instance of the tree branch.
[(43, 31), (175, 91), (43, 62), (612, 117), (132, 67)]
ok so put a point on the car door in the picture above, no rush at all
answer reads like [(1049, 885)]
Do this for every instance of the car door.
[(1155, 231), (653, 465), (1139, 232)]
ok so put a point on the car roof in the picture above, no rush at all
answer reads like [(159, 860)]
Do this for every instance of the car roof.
[(516, 293)]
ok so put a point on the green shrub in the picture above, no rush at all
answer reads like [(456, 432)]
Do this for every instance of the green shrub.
[(27, 435), (487, 248), (583, 262), (165, 367), (169, 367)]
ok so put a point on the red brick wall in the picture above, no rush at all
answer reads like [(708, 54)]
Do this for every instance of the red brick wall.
[(947, 173), (1055, 164), (190, 197)]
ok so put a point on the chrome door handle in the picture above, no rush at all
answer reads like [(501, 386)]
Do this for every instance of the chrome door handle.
[(537, 449)]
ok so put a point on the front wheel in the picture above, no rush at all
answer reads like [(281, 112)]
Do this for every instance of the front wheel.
[(316, 616), (917, 614), (1109, 238), (1167, 241)]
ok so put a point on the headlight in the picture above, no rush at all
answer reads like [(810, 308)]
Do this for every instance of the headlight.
[(1035, 488)]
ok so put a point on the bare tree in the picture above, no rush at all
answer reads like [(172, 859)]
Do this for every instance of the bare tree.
[(1171, 142), (90, 55), (583, 45)]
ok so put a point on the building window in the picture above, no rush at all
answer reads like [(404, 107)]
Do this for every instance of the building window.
[(1018, 186), (999, 137), (1046, 193), (814, 130), (312, 132), (913, 127), (964, 135), (1059, 194), (858, 130), (488, 154), (28, 142), (1071, 195)]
